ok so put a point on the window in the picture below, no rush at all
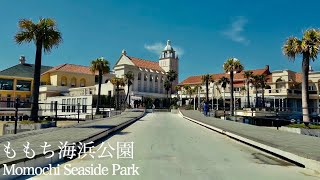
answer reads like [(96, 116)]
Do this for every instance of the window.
[(96, 79), (73, 102), (237, 89), (6, 84), (79, 104), (145, 77), (23, 85), (84, 105), (139, 76), (156, 88), (151, 78), (63, 105), (109, 93), (311, 88), (82, 82), (73, 82), (63, 81), (156, 79), (161, 81), (68, 105)]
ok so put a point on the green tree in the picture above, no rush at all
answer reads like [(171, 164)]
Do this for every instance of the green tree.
[(118, 82), (308, 47), (224, 81), (248, 76), (232, 66), (101, 66), (128, 77), (206, 79), (45, 35)]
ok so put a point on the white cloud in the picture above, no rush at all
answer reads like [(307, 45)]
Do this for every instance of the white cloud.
[(234, 32), (158, 47)]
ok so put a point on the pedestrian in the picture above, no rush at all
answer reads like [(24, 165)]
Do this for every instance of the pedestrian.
[(153, 106), (205, 109)]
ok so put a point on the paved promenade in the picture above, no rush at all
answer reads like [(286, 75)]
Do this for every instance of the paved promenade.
[(301, 145), (168, 147), (53, 136)]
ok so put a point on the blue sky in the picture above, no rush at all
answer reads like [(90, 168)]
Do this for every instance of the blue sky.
[(205, 33)]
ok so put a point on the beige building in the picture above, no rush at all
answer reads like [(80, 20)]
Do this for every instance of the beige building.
[(284, 92)]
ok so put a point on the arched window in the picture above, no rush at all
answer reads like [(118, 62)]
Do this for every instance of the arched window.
[(106, 81), (151, 78), (63, 81), (73, 82), (139, 76), (161, 81), (82, 82), (145, 77), (156, 79)]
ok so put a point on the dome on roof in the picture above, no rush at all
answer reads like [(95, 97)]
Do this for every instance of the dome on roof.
[(168, 46)]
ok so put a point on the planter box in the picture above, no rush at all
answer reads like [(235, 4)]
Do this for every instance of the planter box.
[(9, 127), (309, 132)]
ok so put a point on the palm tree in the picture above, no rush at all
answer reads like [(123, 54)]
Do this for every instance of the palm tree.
[(224, 81), (256, 83), (308, 47), (129, 77), (45, 35), (101, 66), (205, 79), (189, 91), (231, 66), (117, 82), (247, 76), (262, 80), (167, 87), (171, 76)]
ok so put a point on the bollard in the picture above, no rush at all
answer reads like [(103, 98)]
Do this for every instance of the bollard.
[(56, 110), (78, 112), (17, 103)]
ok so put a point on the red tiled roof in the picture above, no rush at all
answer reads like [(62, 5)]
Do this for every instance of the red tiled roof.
[(237, 77), (71, 68), (145, 63)]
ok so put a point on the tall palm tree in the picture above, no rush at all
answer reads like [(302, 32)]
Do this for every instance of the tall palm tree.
[(118, 82), (171, 76), (224, 81), (167, 87), (231, 66), (262, 80), (248, 76), (256, 84), (206, 79), (45, 36), (101, 66), (189, 91), (308, 47), (129, 77)]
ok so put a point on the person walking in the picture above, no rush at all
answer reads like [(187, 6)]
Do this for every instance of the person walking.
[(153, 107), (205, 109)]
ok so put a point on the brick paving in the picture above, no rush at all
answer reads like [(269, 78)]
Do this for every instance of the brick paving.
[(71, 133), (301, 145)]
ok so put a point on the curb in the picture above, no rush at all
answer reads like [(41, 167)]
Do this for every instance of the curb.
[(298, 160)]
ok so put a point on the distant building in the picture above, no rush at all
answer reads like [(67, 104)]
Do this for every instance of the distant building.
[(17, 82), (283, 91)]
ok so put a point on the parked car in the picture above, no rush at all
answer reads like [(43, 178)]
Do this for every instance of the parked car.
[(295, 118)]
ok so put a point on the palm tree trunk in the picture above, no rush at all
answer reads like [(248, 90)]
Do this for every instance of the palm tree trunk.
[(224, 102), (248, 96), (118, 103), (305, 83), (36, 82), (207, 91), (231, 93), (127, 95), (99, 91), (256, 97), (262, 94)]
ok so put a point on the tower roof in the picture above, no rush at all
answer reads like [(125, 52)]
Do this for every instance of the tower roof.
[(168, 46)]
